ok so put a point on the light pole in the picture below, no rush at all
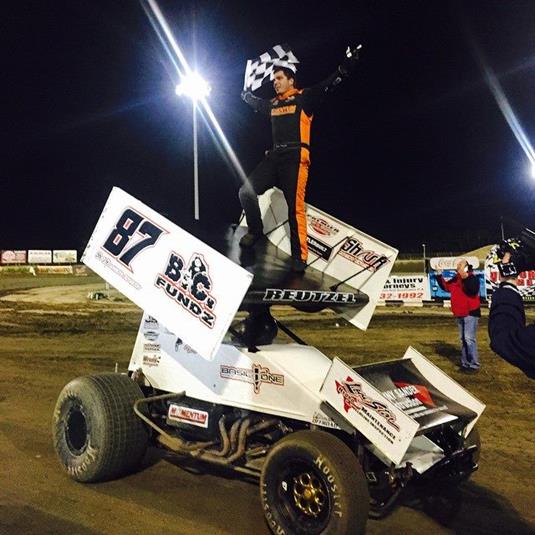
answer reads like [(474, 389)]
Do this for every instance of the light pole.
[(193, 86), (423, 246)]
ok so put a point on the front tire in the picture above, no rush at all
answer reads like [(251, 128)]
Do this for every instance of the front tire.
[(312, 484), (96, 434)]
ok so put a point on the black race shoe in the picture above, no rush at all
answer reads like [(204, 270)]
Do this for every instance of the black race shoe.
[(249, 239), (298, 266)]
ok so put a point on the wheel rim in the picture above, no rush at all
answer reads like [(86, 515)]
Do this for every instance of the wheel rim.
[(309, 494), (76, 431), (303, 497)]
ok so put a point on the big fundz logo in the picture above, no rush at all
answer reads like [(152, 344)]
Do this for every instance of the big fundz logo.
[(189, 285)]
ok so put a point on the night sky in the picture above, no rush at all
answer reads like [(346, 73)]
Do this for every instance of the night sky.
[(412, 149)]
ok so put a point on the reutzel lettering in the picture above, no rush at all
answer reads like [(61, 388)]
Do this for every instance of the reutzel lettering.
[(305, 296), (189, 286)]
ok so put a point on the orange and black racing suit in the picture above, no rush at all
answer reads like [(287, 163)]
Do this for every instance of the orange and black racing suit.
[(286, 165)]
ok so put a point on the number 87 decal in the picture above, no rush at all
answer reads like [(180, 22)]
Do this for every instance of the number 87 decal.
[(118, 242)]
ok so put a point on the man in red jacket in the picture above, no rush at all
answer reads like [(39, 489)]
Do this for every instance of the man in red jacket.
[(465, 305)]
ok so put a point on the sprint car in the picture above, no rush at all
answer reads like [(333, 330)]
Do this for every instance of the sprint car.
[(330, 444)]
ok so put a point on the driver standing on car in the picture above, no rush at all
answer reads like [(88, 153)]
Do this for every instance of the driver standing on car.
[(286, 164)]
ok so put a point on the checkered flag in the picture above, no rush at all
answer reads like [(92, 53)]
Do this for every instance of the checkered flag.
[(260, 70)]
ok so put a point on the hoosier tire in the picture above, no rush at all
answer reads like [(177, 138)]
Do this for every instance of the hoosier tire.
[(96, 434), (312, 484)]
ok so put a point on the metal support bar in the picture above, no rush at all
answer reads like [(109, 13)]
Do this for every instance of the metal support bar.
[(290, 333)]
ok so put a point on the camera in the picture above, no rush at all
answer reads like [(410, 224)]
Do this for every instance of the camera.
[(522, 251)]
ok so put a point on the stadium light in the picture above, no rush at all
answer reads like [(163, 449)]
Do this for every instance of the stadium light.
[(533, 170), (196, 88), (193, 86), (170, 45)]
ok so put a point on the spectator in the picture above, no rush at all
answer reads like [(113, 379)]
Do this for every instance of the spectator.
[(465, 305)]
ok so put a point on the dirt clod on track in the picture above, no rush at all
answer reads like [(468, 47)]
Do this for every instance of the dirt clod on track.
[(51, 334)]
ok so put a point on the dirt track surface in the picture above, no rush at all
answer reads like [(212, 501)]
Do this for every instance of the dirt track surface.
[(48, 336)]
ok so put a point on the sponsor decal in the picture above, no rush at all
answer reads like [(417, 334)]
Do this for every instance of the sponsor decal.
[(108, 263), (255, 375), (150, 323), (322, 226), (187, 415), (189, 285), (151, 347), (356, 399), (318, 247), (283, 110), (151, 360), (151, 335), (414, 400), (319, 418), (185, 347), (309, 296), (353, 250)]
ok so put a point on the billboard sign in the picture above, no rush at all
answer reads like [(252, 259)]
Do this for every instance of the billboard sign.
[(64, 256), (12, 257), (409, 288), (39, 256)]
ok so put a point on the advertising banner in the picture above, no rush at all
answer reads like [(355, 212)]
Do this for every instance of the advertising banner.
[(65, 256), (176, 278), (450, 262), (438, 293), (53, 270), (409, 288), (356, 259), (525, 281), (374, 415), (39, 256), (12, 257)]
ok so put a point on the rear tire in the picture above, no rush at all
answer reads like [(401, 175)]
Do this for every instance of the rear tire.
[(96, 434), (312, 484)]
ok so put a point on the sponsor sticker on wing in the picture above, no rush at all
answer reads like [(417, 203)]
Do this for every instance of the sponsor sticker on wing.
[(375, 416), (177, 279)]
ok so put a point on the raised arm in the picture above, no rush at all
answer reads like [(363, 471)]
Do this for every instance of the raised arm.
[(316, 94)]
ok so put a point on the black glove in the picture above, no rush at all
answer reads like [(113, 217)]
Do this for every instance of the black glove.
[(350, 61), (245, 95)]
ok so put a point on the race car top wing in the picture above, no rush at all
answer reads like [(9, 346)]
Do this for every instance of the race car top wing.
[(353, 259), (179, 280)]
